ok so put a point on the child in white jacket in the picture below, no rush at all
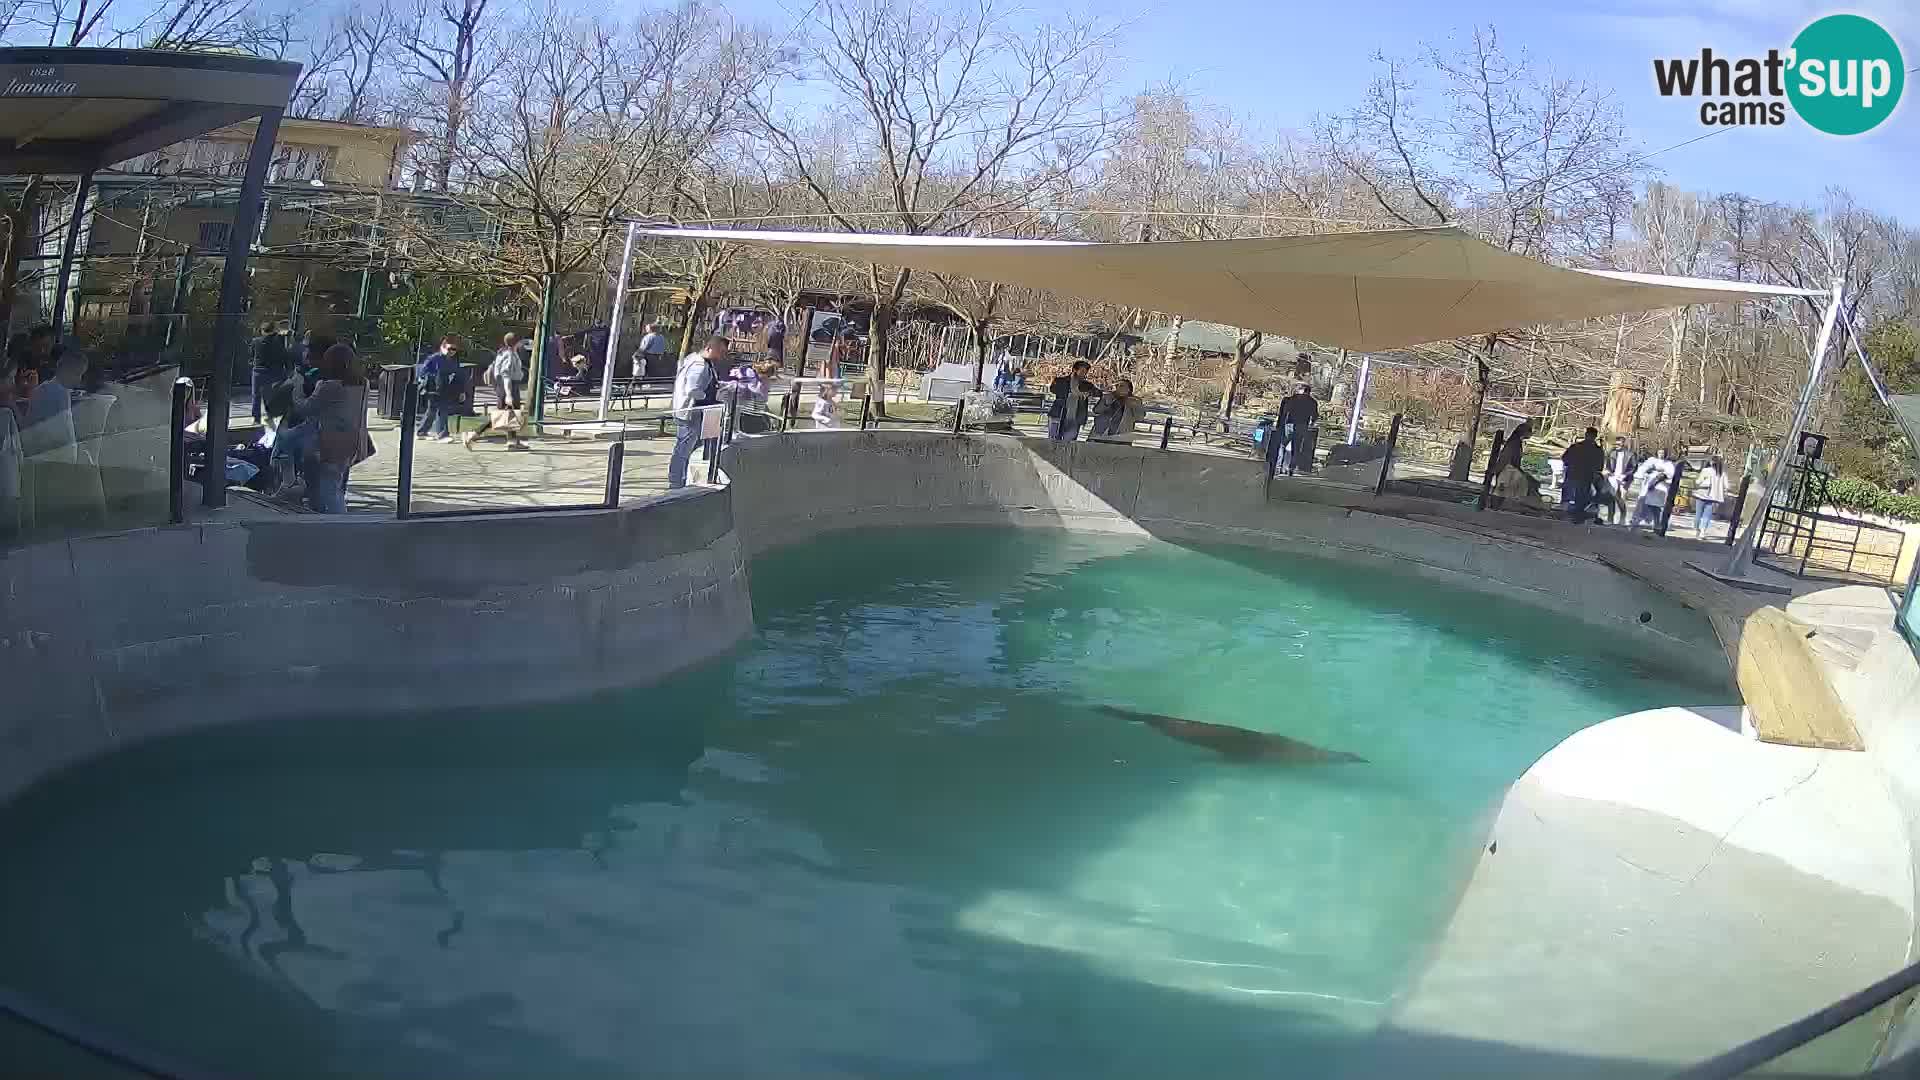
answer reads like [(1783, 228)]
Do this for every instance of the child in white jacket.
[(826, 408)]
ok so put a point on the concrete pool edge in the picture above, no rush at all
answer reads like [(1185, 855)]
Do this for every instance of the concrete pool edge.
[(118, 638), (403, 615)]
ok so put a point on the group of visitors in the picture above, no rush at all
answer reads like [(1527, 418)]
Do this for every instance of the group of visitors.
[(39, 383), (318, 417), (1075, 399), (1595, 481)]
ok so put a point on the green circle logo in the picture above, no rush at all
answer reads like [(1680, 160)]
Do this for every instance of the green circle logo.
[(1847, 74)]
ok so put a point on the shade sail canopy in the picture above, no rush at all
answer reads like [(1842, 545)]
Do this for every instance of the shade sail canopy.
[(1364, 291), (72, 110)]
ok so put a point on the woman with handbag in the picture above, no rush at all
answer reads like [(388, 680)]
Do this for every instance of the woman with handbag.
[(338, 409), (505, 375)]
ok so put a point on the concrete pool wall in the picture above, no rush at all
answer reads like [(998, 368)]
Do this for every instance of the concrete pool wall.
[(106, 640), (1631, 840), (792, 488)]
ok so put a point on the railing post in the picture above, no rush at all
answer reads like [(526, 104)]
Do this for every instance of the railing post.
[(177, 455), (616, 464), (866, 406), (403, 497), (959, 414), (1166, 431), (1386, 463), (733, 409), (1739, 504), (712, 448), (1486, 479), (1673, 495)]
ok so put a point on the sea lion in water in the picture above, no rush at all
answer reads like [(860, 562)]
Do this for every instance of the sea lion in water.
[(1232, 743)]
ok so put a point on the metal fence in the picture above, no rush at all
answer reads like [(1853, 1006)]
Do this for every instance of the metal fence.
[(1806, 543)]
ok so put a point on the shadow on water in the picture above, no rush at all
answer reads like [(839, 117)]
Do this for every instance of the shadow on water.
[(1042, 785)]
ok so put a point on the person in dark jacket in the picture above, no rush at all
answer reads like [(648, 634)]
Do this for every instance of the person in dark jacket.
[(1073, 397), (1584, 461), (438, 376), (271, 359), (1298, 412)]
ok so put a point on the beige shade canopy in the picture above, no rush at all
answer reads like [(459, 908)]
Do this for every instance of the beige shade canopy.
[(1365, 291)]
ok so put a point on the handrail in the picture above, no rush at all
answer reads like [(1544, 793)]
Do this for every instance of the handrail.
[(97, 1043), (1758, 1052)]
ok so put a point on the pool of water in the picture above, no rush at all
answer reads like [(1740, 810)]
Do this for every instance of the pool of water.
[(892, 836)]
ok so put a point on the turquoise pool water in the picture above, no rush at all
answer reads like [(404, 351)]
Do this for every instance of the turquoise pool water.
[(891, 837)]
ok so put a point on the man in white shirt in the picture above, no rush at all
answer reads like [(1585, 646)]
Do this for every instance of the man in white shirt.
[(1654, 476), (697, 384)]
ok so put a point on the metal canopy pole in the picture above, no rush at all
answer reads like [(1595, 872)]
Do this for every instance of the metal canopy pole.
[(1359, 400), (66, 252), (613, 327), (1742, 557), (227, 337)]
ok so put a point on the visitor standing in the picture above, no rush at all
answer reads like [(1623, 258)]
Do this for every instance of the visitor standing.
[(696, 385), (505, 375), (337, 407), (826, 407), (650, 361), (1620, 475), (1118, 413), (1072, 395), (1582, 463), (271, 359), (438, 375), (1655, 479), (1709, 491), (777, 340), (1298, 412)]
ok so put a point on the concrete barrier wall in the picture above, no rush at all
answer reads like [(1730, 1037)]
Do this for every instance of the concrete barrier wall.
[(122, 637), (789, 488)]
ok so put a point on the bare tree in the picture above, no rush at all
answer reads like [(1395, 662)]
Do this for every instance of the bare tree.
[(447, 47), (958, 112)]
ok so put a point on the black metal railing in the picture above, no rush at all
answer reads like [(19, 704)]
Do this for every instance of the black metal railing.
[(1751, 1055), (1804, 542)]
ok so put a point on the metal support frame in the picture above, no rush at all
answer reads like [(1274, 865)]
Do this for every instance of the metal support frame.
[(1742, 558), (616, 464), (1359, 400), (1673, 496), (1486, 479), (228, 339), (409, 415), (177, 453), (866, 407), (1739, 504), (1386, 463), (66, 252), (613, 324)]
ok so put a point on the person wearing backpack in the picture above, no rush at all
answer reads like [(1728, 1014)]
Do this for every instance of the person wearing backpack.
[(438, 375)]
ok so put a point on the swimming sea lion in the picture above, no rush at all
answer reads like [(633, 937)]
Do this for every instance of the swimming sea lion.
[(1232, 743)]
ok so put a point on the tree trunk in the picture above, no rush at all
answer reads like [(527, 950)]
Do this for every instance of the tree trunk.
[(980, 350), (1670, 381), (20, 221), (1248, 344), (886, 303)]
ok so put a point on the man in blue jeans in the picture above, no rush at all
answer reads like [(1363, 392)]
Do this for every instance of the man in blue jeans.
[(437, 376), (697, 384)]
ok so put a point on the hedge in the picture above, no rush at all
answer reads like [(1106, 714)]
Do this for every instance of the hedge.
[(1867, 497)]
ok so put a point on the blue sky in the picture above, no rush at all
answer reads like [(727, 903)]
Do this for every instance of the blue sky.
[(1280, 63)]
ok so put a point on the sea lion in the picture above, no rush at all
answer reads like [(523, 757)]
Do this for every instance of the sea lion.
[(1234, 744)]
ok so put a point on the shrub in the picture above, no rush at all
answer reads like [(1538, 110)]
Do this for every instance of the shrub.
[(1866, 497)]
